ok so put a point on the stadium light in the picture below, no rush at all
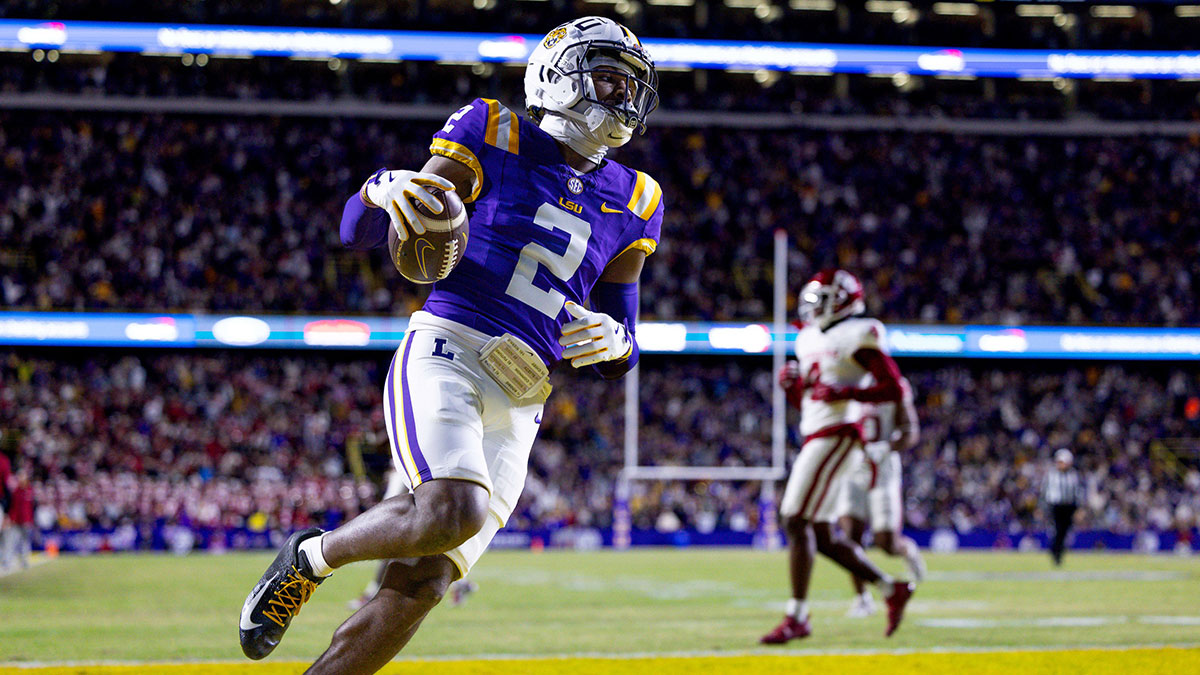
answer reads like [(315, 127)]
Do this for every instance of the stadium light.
[(768, 13), (887, 6), (955, 9), (672, 3), (1187, 11), (243, 42), (744, 4), (1113, 11), (813, 5), (1039, 10), (766, 78)]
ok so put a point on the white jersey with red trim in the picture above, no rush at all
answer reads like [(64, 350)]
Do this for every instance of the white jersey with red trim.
[(881, 422), (827, 356), (878, 428)]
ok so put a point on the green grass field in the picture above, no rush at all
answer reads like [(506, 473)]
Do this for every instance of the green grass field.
[(159, 608)]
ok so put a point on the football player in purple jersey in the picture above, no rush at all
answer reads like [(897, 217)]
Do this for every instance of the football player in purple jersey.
[(558, 237)]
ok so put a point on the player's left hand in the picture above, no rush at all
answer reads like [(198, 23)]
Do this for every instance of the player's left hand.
[(824, 392), (593, 337)]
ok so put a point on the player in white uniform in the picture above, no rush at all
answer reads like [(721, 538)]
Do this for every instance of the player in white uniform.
[(872, 491), (838, 354)]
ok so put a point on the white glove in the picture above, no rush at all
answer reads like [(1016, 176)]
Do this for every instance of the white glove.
[(593, 337), (392, 192)]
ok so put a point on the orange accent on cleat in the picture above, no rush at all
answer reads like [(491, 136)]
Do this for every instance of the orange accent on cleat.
[(902, 591), (788, 629)]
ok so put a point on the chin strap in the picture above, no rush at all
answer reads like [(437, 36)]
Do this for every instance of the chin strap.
[(574, 135)]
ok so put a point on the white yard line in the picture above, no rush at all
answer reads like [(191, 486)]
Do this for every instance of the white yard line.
[(1059, 575), (1060, 621)]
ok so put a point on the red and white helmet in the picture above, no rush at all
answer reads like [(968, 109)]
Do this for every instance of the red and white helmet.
[(830, 295)]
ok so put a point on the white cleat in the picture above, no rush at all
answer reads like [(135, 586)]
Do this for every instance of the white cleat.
[(916, 564), (862, 607)]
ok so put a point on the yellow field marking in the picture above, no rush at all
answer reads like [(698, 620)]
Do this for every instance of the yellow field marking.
[(1144, 661)]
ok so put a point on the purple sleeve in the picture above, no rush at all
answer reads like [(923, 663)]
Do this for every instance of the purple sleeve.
[(363, 227), (620, 301)]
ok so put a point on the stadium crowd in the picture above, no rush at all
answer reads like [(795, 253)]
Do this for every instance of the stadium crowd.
[(245, 442), (431, 83), (222, 214)]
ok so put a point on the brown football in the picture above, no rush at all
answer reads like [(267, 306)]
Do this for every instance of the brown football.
[(426, 258)]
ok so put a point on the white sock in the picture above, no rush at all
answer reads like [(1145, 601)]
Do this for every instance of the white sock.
[(885, 585), (316, 557), (865, 597), (797, 609)]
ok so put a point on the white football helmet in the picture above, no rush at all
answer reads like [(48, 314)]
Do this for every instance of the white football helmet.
[(829, 296), (558, 79)]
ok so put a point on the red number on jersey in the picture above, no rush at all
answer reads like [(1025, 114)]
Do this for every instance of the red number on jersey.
[(813, 376), (871, 427)]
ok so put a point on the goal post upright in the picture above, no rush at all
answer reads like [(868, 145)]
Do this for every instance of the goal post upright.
[(768, 513), (767, 535)]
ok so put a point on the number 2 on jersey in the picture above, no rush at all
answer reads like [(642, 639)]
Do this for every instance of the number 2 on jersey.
[(562, 266), (456, 117)]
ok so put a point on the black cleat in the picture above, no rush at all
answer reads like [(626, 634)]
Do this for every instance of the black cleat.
[(277, 597)]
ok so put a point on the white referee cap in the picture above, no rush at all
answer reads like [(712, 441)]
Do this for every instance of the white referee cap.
[(1063, 455)]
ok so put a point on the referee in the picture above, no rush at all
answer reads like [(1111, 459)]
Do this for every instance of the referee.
[(1063, 493)]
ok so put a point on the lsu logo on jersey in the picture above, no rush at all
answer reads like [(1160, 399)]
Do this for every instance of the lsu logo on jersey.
[(554, 37)]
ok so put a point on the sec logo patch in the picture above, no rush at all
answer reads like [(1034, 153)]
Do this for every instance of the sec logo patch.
[(574, 185)]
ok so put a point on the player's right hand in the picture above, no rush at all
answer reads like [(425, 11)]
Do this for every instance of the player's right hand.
[(789, 374), (393, 191)]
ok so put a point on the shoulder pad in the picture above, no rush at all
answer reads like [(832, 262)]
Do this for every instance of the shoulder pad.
[(646, 196), (872, 334), (503, 127)]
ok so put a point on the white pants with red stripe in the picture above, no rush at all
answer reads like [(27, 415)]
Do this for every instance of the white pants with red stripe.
[(446, 418), (817, 473), (871, 493)]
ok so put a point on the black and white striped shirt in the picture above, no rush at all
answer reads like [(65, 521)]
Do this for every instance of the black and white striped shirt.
[(1062, 487)]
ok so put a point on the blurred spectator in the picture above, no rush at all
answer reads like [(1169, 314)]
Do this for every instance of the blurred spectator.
[(16, 541)]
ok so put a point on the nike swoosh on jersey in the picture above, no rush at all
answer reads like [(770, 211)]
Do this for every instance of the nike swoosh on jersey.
[(251, 602), (605, 209)]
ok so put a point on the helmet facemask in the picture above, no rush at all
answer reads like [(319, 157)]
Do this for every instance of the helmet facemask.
[(624, 69)]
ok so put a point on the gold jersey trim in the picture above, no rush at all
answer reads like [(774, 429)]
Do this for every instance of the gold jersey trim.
[(461, 153)]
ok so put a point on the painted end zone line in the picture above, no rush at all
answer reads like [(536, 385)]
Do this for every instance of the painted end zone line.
[(26, 667)]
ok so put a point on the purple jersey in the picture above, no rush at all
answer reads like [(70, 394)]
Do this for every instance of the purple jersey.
[(540, 233)]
